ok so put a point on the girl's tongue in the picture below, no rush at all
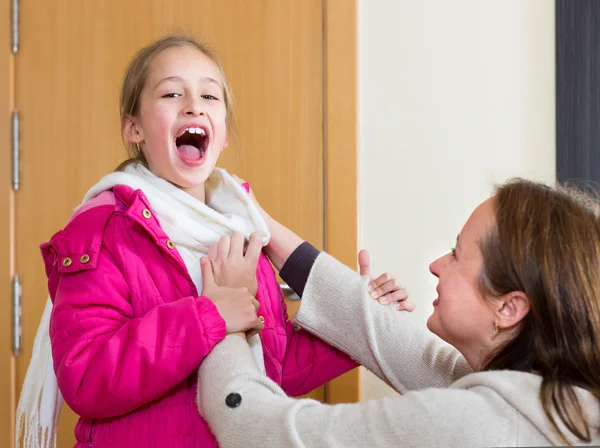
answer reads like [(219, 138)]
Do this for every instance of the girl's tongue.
[(190, 152)]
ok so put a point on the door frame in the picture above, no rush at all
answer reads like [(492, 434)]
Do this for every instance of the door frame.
[(341, 156), (340, 183)]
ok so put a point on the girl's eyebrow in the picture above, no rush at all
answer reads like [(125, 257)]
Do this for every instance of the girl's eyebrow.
[(168, 78), (180, 79)]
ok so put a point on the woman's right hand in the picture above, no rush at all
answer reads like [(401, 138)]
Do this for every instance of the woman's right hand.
[(237, 306)]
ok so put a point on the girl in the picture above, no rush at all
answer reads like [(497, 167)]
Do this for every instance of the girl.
[(131, 318)]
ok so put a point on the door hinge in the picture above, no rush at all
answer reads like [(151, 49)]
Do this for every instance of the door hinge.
[(16, 150), (15, 26), (16, 333)]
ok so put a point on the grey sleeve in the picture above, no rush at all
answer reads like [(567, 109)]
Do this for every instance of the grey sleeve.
[(246, 409), (337, 308)]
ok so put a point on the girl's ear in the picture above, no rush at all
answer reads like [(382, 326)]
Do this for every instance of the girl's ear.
[(132, 129)]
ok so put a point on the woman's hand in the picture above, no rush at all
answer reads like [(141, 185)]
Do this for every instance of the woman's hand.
[(236, 305), (385, 288), (234, 264)]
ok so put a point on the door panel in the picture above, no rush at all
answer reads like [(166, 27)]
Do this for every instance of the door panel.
[(69, 70)]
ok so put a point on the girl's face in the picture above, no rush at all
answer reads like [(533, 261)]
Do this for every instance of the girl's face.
[(461, 315), (181, 127)]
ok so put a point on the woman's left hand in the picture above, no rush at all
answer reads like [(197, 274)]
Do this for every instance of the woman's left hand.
[(385, 289), (234, 264)]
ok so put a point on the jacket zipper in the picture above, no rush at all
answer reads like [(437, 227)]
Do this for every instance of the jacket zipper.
[(270, 357)]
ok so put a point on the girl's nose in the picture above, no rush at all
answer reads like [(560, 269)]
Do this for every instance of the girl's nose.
[(194, 112), (193, 108)]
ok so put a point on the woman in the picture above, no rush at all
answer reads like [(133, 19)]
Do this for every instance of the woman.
[(518, 302)]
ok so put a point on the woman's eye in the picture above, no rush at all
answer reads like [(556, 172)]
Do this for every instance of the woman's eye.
[(172, 95), (453, 251), (209, 97)]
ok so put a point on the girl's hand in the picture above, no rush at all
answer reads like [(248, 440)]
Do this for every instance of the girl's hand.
[(236, 305), (385, 289), (233, 266)]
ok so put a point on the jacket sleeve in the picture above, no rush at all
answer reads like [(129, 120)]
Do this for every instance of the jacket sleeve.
[(432, 417), (108, 362), (310, 362)]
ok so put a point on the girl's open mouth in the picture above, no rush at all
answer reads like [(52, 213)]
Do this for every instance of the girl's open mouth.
[(192, 144)]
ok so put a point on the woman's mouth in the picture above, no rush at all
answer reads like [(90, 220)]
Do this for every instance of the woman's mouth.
[(192, 144)]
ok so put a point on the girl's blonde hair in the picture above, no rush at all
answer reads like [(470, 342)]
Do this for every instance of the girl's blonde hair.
[(135, 79)]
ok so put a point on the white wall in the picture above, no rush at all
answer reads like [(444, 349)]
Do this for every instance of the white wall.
[(454, 96)]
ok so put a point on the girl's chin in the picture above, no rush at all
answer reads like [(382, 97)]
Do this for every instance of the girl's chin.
[(191, 175), (187, 181)]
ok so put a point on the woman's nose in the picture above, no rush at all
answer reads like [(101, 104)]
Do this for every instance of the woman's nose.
[(436, 266)]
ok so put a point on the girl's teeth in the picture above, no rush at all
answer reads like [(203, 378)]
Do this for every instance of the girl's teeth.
[(195, 131)]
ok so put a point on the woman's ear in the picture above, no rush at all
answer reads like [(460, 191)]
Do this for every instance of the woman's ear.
[(511, 309), (132, 130)]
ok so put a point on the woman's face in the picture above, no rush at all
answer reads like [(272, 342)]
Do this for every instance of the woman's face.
[(462, 316)]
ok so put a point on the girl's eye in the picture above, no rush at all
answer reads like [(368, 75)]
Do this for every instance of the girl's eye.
[(172, 95), (453, 251), (209, 97)]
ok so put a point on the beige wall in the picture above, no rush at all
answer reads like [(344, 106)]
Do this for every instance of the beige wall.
[(454, 96)]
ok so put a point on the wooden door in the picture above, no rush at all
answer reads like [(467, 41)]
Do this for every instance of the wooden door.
[(7, 389), (68, 74)]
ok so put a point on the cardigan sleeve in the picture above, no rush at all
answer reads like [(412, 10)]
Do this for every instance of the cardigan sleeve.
[(338, 309)]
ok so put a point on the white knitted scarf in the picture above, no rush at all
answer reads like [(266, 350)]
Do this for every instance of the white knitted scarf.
[(192, 226)]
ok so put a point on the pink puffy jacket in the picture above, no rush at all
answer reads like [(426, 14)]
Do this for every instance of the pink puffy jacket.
[(129, 329)]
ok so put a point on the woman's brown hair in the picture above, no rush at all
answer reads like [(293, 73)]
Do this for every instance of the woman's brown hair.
[(135, 79), (546, 243)]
